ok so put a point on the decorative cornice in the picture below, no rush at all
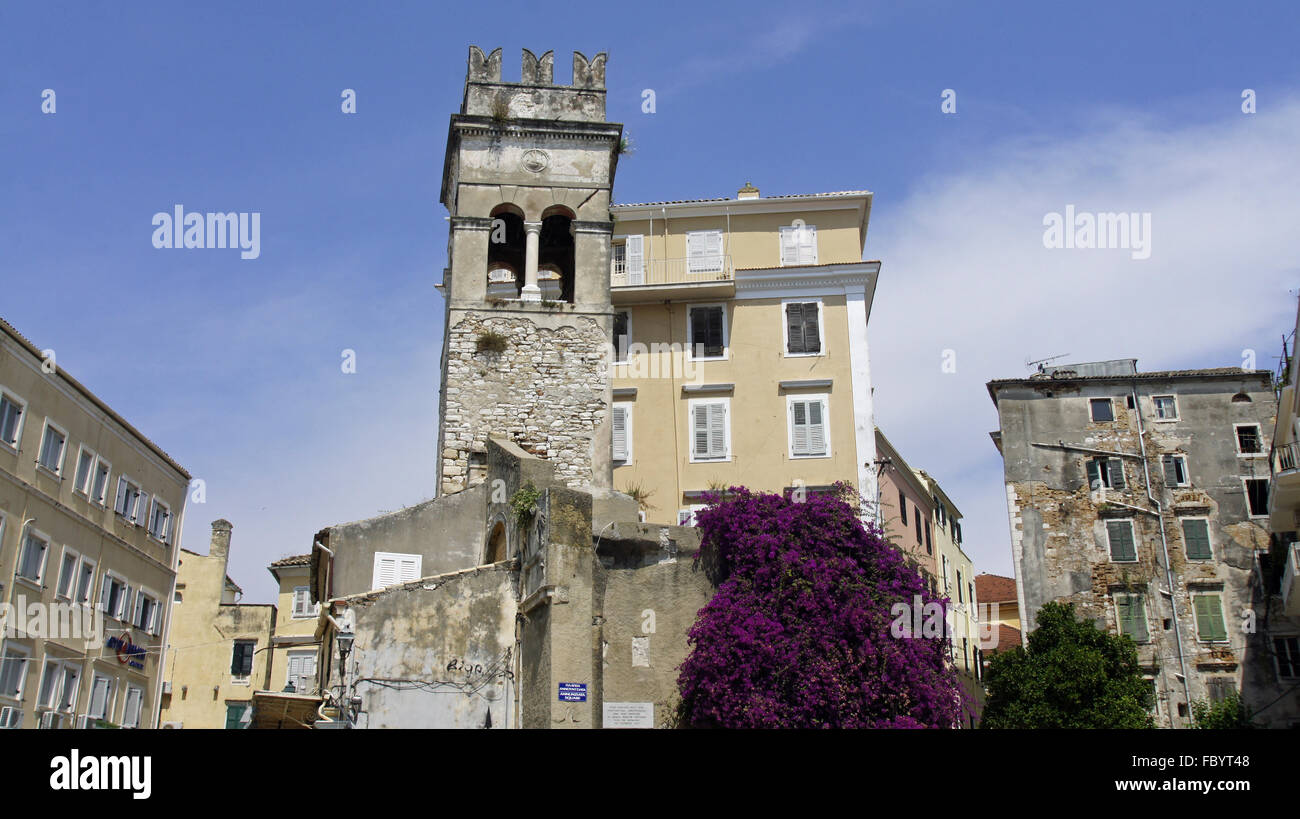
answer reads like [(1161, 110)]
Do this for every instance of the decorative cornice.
[(593, 227)]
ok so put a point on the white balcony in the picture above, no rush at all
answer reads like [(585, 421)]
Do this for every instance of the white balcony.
[(1284, 491), (1291, 582), (654, 279)]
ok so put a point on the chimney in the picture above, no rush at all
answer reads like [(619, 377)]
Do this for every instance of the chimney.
[(219, 547), (747, 192)]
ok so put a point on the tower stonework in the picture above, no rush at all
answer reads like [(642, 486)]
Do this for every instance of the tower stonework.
[(527, 180)]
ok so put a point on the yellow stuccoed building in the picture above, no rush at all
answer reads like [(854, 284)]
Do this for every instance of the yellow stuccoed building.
[(219, 649), (741, 353)]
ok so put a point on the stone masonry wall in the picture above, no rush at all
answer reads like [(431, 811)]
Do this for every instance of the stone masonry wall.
[(546, 392)]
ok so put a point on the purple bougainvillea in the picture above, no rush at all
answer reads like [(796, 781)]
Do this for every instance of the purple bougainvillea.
[(798, 634)]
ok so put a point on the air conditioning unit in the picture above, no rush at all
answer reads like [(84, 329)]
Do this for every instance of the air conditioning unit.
[(167, 686), (176, 725), (51, 720), (11, 718)]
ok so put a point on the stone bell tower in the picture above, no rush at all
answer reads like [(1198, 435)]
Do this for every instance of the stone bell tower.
[(527, 180)]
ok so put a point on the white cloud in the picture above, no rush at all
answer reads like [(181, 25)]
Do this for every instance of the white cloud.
[(964, 267)]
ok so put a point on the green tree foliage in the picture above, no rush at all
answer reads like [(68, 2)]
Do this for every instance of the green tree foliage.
[(1228, 713), (1073, 675)]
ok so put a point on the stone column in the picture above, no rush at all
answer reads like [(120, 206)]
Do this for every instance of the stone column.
[(530, 291)]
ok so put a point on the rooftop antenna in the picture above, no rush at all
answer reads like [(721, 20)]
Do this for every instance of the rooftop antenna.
[(1040, 362)]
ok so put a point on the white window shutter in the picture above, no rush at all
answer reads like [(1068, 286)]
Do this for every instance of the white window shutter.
[(700, 432), (799, 426), (619, 434), (808, 245), (142, 509), (816, 428), (718, 430), (385, 571), (105, 586), (635, 259), (409, 568), (119, 505), (789, 246)]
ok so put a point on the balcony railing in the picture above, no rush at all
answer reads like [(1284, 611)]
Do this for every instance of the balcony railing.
[(1286, 457), (670, 271)]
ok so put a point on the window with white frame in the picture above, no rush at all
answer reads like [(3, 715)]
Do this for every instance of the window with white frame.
[(99, 486), (12, 409), (128, 499), (798, 245), (31, 563), (1249, 441), (1105, 472), (85, 474), (704, 251), (706, 329), (112, 596), (809, 431), (301, 671), (160, 520), (686, 516), (302, 605), (101, 697), (803, 328), (58, 690), (392, 568), (131, 707), (54, 442), (1119, 535), (67, 574), (1257, 497), (241, 661), (13, 672), (1175, 467), (629, 259), (1196, 538), (68, 690), (710, 429), (85, 581), (621, 433), (1101, 409), (144, 615), (1166, 407)]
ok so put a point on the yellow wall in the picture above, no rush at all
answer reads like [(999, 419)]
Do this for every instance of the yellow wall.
[(291, 633), (204, 631)]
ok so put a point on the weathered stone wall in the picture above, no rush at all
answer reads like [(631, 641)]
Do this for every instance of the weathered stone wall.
[(547, 391), (437, 652), (1058, 525)]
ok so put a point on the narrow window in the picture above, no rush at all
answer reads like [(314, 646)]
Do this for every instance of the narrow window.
[(1210, 627), (32, 565), (1196, 537), (241, 659), (803, 328), (1257, 496), (709, 431), (619, 440), (902, 506), (1287, 652), (52, 445), (1248, 442), (1175, 467), (707, 332), (620, 335), (808, 428), (1132, 616), (1119, 533), (1166, 407), (1101, 409), (1105, 472), (11, 416)]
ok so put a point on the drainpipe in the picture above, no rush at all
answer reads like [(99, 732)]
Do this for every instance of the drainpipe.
[(1164, 545)]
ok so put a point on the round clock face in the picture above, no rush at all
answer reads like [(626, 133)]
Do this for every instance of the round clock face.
[(535, 160)]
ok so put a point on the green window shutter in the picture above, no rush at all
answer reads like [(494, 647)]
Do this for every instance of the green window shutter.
[(1116, 468), (1209, 619), (1196, 536), (1094, 473), (1120, 535), (811, 330), (1132, 616)]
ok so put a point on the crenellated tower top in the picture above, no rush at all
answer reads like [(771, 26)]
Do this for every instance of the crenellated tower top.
[(535, 96)]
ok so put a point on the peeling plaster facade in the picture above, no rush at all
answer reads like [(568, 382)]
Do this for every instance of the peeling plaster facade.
[(1062, 523)]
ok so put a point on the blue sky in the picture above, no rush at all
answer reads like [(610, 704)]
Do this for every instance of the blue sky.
[(235, 106)]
